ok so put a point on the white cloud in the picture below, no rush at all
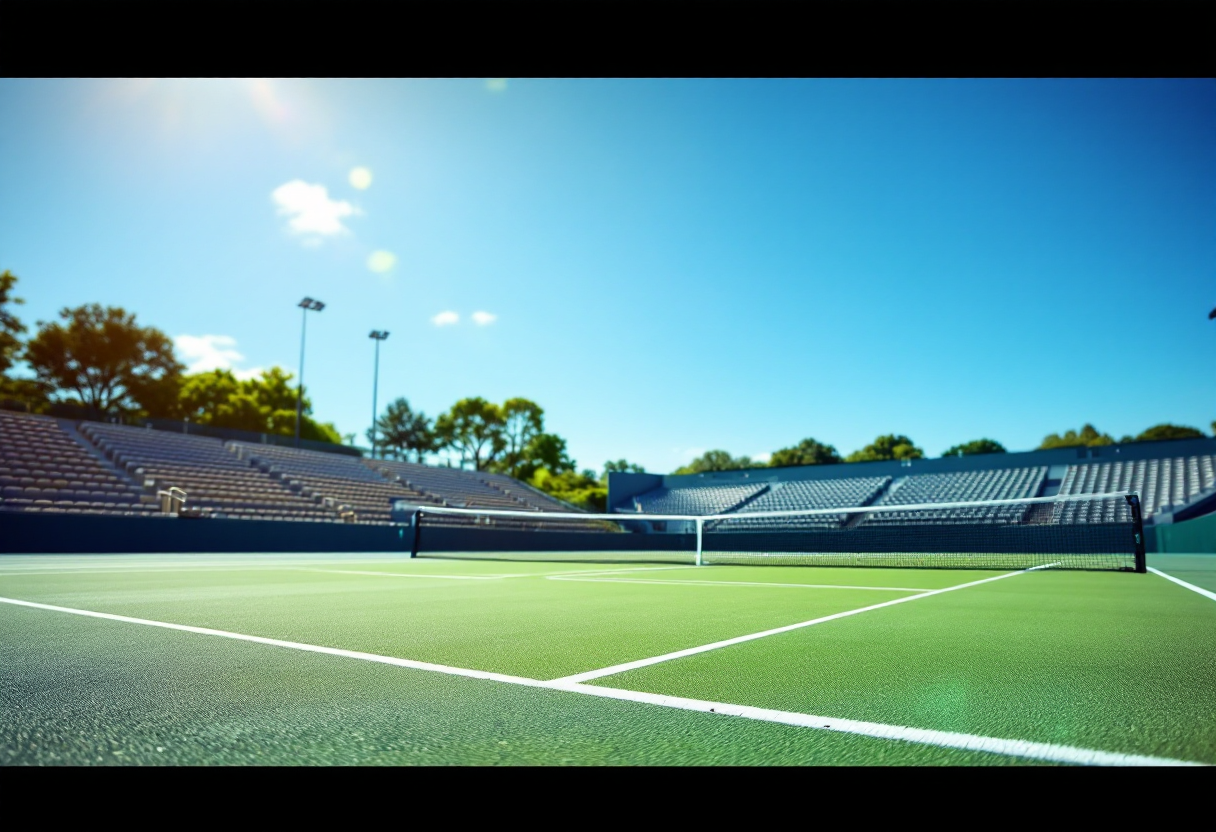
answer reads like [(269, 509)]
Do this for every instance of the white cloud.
[(212, 352), (360, 178), (496, 84), (310, 209), (483, 318), (445, 319), (381, 261)]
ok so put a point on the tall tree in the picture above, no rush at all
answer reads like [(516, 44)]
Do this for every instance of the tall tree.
[(1088, 436), (1158, 432), (403, 431), (265, 404), (806, 452), (523, 421), (888, 446), (473, 428), (715, 461), (622, 466), (11, 328), (102, 356), (976, 446)]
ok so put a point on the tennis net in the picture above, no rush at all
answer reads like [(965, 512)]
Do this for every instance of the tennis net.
[(1091, 531)]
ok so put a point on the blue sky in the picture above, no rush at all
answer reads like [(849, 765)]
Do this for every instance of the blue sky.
[(665, 266)]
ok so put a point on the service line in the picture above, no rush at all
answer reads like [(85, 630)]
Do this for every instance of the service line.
[(717, 645), (1205, 593)]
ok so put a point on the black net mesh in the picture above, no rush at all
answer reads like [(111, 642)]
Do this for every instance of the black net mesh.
[(1096, 532)]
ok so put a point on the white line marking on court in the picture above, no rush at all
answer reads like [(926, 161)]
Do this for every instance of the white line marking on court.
[(680, 582), (944, 739), (1205, 593), (717, 645), (292, 645), (405, 574)]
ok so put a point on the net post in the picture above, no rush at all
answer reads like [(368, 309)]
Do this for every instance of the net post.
[(415, 531), (700, 526), (1133, 502)]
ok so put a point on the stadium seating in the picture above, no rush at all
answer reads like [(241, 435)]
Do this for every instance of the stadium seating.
[(340, 482), (449, 486), (806, 494), (705, 499), (1162, 483), (215, 479), (962, 486), (43, 468)]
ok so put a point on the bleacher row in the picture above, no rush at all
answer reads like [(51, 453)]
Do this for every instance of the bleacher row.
[(51, 465), (57, 466)]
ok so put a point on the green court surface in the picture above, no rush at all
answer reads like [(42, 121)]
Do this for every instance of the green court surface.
[(367, 659)]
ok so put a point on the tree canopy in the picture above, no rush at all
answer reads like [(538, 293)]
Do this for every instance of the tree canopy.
[(622, 466), (11, 328), (104, 358), (266, 404), (1166, 431), (715, 461), (474, 428), (403, 431), (522, 421), (888, 446), (1087, 437), (976, 446), (806, 452)]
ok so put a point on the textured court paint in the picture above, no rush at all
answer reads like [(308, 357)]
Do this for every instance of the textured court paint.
[(731, 642), (1199, 570), (1119, 662), (990, 745), (79, 691), (1089, 660), (1205, 593), (532, 628), (728, 584)]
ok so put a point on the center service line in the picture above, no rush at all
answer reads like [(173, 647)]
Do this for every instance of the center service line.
[(944, 739), (692, 651)]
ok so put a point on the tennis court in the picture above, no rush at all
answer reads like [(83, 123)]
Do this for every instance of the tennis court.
[(569, 659)]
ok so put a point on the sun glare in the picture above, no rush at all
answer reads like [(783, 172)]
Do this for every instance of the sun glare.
[(361, 178)]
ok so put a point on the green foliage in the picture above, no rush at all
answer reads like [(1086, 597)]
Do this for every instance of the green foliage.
[(11, 328), (266, 404), (1088, 437), (523, 422), (473, 427), (402, 432), (806, 452), (1158, 432), (976, 446), (546, 451), (715, 461), (578, 488), (622, 466), (888, 446), (104, 358)]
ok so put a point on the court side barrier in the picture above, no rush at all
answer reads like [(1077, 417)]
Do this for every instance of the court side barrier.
[(1196, 536)]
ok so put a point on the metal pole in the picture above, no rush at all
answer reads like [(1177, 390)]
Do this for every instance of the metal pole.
[(375, 391), (300, 383)]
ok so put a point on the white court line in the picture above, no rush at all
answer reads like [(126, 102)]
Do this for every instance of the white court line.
[(944, 739), (680, 582), (1205, 593), (717, 645)]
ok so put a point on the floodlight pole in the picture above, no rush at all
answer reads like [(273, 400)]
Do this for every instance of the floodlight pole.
[(377, 336), (307, 305)]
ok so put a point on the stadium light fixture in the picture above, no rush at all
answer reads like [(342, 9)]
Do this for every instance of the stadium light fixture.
[(377, 335), (307, 305)]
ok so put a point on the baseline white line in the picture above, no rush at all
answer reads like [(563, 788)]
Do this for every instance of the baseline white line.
[(1204, 592), (944, 739), (717, 645), (680, 582)]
